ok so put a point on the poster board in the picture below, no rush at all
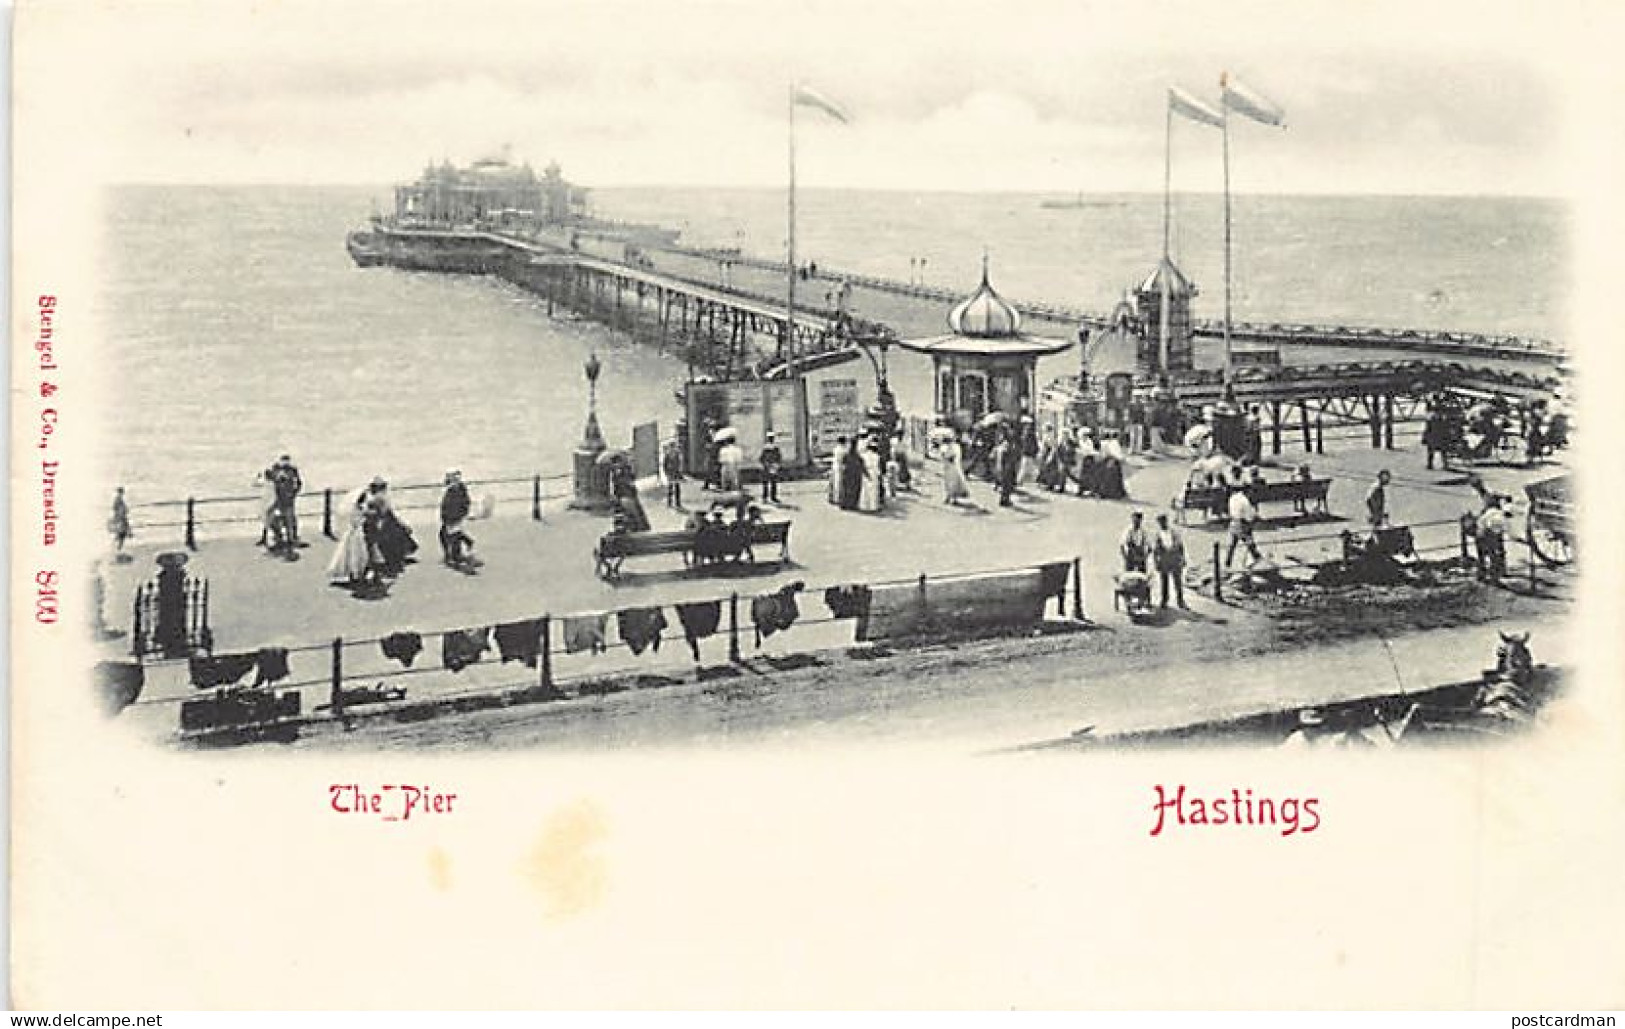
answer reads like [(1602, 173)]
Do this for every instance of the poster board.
[(753, 408), (840, 414), (645, 449)]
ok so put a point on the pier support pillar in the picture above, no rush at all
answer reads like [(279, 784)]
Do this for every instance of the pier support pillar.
[(1374, 408), (1275, 427), (1303, 418), (1388, 422)]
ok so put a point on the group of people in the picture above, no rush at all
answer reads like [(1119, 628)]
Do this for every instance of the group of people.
[(723, 533), (726, 469), (1240, 484), (1013, 454), (1163, 550), (377, 544), (1013, 459), (1475, 432), (1096, 467)]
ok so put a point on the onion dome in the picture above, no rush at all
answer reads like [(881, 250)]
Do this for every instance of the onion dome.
[(986, 325), (985, 314)]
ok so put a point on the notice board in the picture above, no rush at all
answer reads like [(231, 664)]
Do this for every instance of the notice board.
[(752, 408)]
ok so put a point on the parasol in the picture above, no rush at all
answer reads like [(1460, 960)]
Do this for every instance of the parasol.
[(1218, 465), (990, 420), (726, 434), (613, 455)]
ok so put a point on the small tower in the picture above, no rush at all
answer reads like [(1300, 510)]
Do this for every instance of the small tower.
[(1148, 298), (986, 364)]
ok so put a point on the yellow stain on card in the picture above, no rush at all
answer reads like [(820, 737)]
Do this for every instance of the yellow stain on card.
[(565, 865), (439, 869)]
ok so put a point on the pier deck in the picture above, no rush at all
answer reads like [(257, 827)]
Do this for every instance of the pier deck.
[(546, 568)]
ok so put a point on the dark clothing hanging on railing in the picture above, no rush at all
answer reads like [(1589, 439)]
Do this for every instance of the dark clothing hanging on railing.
[(640, 628), (463, 647), (520, 641), (699, 622), (402, 646)]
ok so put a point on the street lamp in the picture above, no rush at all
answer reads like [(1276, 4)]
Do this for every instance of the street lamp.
[(883, 417), (591, 489)]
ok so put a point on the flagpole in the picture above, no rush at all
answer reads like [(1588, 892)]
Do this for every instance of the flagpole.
[(1167, 171), (790, 304), (1162, 271), (1224, 108)]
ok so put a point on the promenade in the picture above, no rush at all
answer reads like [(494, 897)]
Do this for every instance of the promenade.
[(535, 568)]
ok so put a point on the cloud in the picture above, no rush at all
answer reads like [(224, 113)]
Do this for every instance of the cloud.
[(1031, 96)]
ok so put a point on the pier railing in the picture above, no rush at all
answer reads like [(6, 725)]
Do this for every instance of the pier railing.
[(1281, 332), (325, 507), (344, 668), (355, 682)]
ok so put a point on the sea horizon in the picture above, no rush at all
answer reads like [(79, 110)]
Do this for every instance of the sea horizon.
[(802, 189)]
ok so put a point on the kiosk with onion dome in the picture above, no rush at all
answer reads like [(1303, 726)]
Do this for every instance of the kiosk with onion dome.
[(986, 364)]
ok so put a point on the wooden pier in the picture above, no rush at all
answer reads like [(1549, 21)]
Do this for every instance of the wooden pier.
[(670, 296)]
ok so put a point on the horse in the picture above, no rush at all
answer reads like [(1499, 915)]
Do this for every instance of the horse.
[(1513, 659), (1505, 693)]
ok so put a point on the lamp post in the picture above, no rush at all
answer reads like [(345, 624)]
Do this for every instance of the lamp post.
[(591, 489), (883, 416)]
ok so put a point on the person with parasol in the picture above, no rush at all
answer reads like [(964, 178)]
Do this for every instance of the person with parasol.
[(730, 458)]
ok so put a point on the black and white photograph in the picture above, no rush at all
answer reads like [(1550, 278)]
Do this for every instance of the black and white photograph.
[(1167, 419)]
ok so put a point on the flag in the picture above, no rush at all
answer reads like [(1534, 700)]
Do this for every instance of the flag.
[(1181, 102), (1238, 98), (800, 94)]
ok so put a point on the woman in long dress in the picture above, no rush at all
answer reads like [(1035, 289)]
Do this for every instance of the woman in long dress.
[(624, 491), (870, 492), (837, 462), (351, 558), (851, 477), (954, 485), (268, 510), (392, 538), (1027, 470)]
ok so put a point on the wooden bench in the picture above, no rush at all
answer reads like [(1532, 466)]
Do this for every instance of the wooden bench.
[(614, 548), (1215, 500)]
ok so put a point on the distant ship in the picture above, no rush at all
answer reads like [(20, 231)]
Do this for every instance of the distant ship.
[(1074, 203), (491, 195)]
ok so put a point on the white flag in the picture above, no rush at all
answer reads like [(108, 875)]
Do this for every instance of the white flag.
[(800, 94), (1181, 102), (1254, 105)]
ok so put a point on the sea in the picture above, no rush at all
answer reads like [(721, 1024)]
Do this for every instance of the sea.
[(237, 328)]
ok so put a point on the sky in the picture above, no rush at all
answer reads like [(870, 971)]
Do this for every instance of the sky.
[(1381, 97)]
